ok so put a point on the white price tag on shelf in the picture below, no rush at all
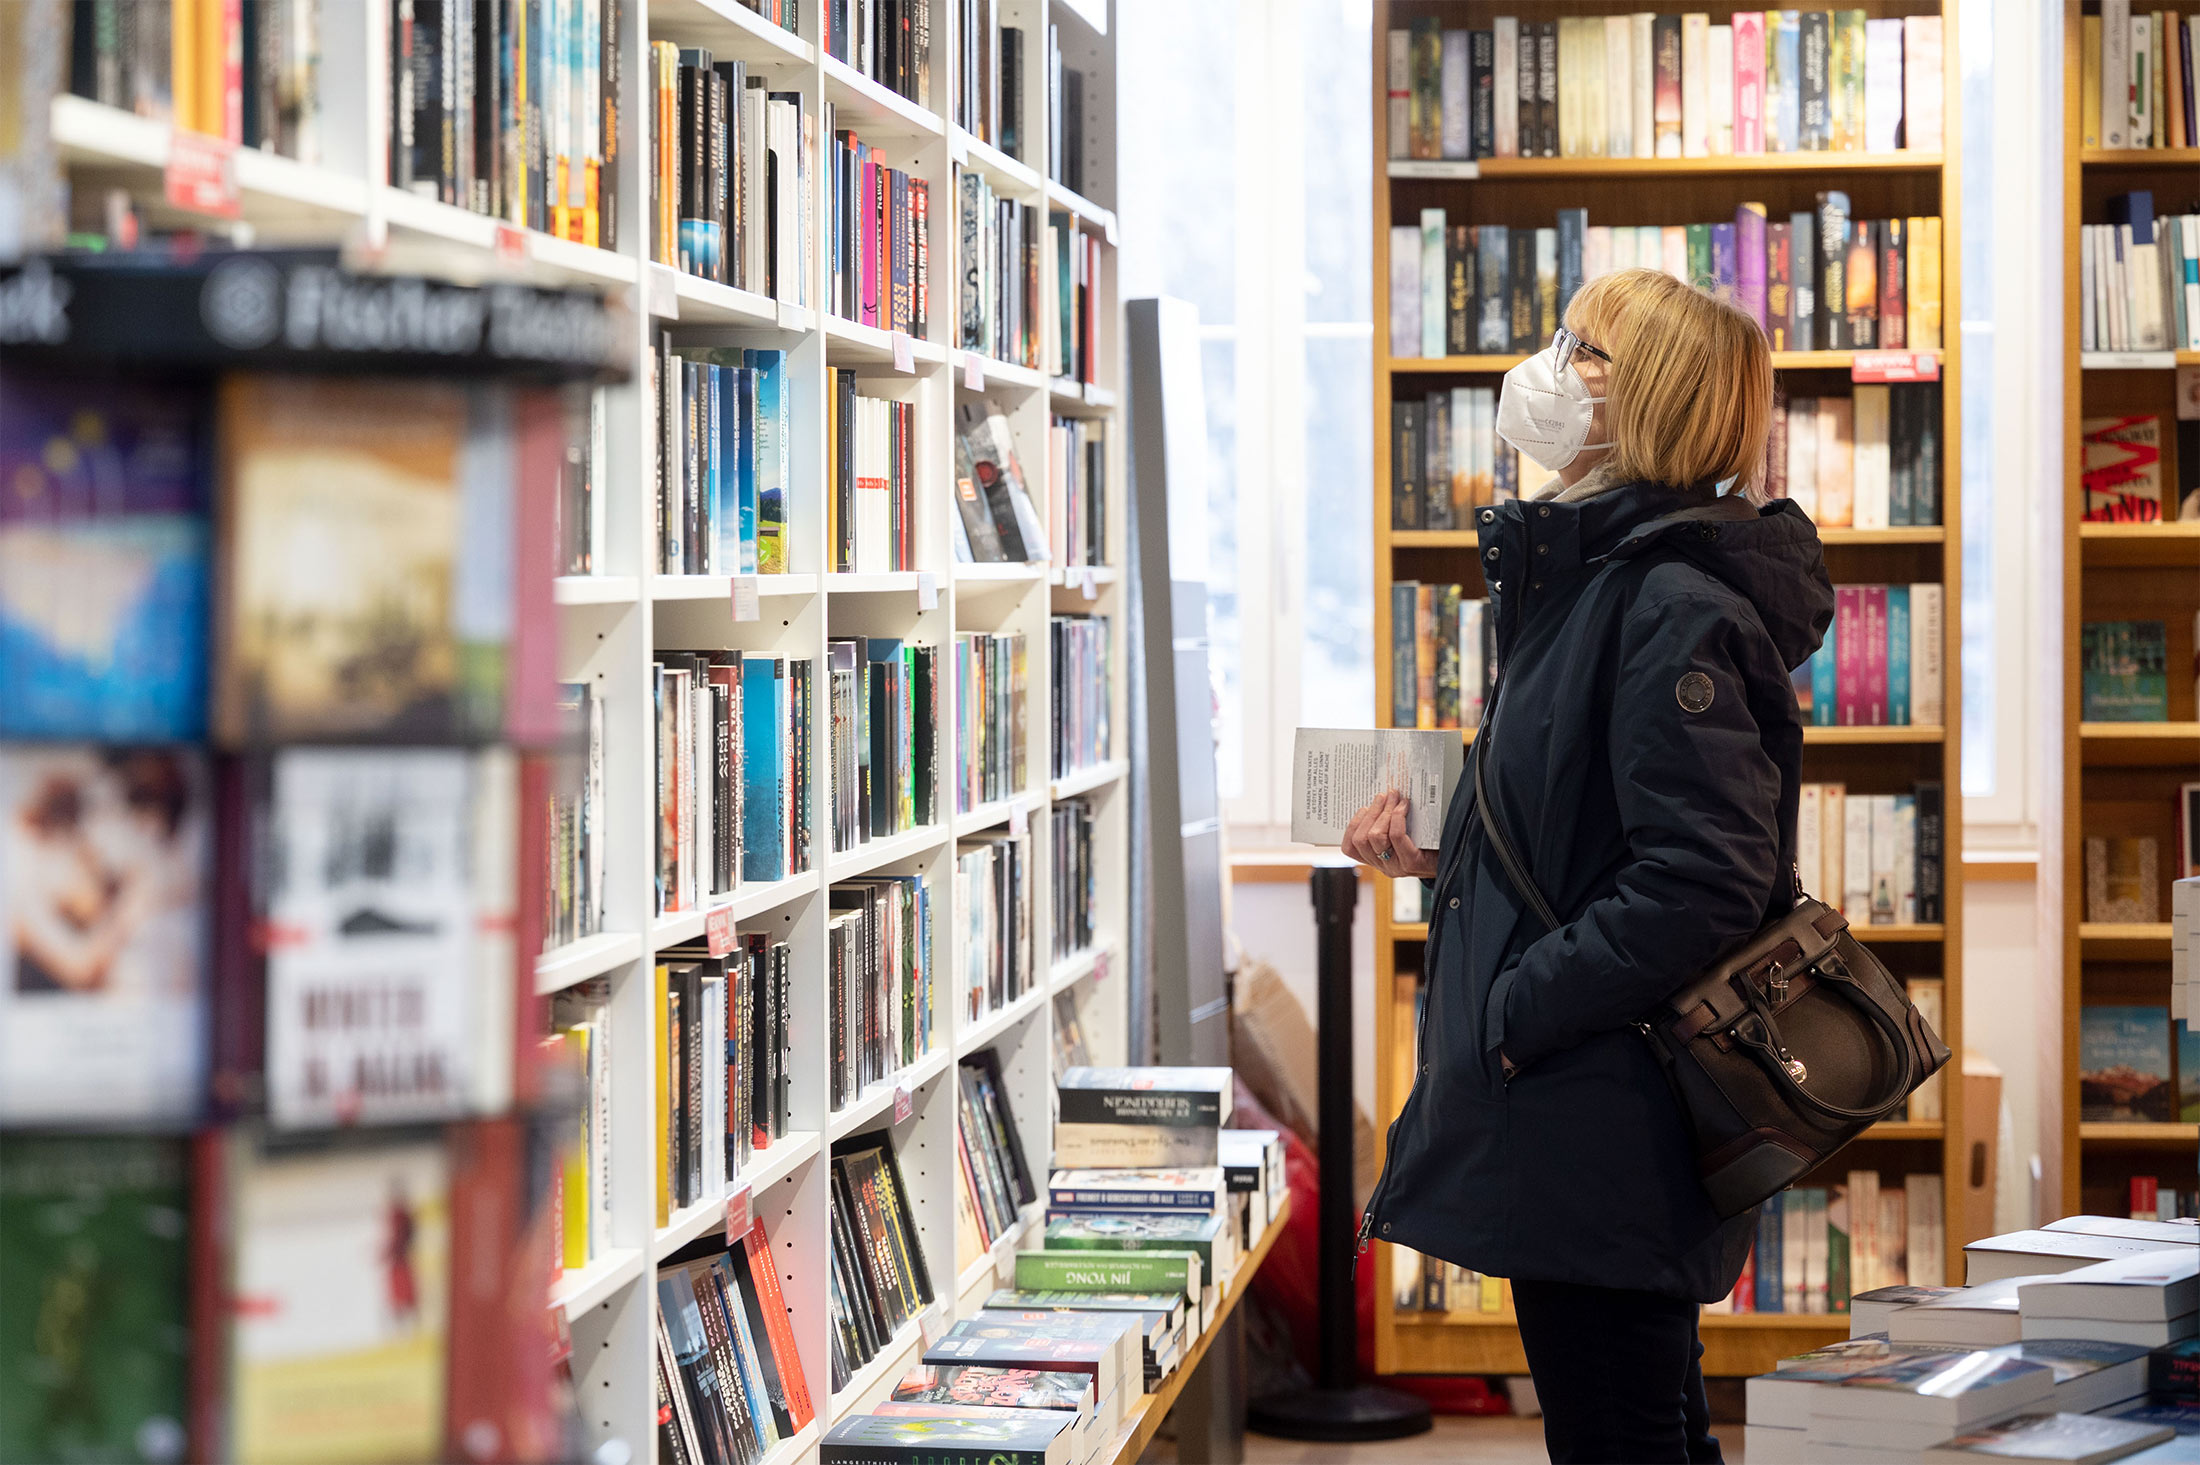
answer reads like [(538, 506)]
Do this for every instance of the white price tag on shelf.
[(905, 352), (664, 290), (933, 1321), (904, 1106), (973, 372), (1019, 821), (737, 1213), (1088, 583), (747, 603), (718, 930), (928, 590), (202, 174), (510, 246)]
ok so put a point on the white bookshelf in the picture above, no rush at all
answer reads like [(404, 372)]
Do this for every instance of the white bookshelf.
[(611, 622)]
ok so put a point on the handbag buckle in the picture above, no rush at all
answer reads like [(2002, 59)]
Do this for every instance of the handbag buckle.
[(1794, 1066), (1777, 980)]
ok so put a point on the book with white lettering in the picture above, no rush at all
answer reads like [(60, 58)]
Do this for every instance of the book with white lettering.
[(1200, 1188), (1336, 772)]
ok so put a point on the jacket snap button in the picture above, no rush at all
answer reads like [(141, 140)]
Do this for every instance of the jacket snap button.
[(1709, 533), (1542, 549), (1455, 902), (1386, 1228), (1489, 516), (1492, 553), (1544, 512)]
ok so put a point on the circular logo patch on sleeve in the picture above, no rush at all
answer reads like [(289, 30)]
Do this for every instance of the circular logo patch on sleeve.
[(1693, 691)]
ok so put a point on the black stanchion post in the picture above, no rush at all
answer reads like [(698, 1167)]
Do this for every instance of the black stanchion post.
[(1338, 1408)]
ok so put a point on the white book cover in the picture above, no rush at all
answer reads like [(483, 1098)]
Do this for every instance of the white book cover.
[(1882, 84), (105, 875), (372, 922), (1982, 1315), (2145, 273), (1596, 251), (1809, 833), (1856, 862), (2159, 1283), (2044, 1252), (1719, 90), (1884, 855), (1619, 82), (2083, 1439), (1650, 247), (1455, 138), (1335, 772), (1928, 674), (1405, 290), (2143, 65), (1398, 68), (1926, 1105), (1505, 89), (1905, 859), (1642, 91), (1927, 1259), (2169, 1233), (2116, 100), (1432, 283), (2188, 231), (1473, 670), (1802, 444), (1695, 82), (1590, 125), (1833, 845), (2088, 320), (1872, 465)]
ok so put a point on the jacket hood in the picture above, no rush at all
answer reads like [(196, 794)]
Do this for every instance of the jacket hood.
[(1771, 555)]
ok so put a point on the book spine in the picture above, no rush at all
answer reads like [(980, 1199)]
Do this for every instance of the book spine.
[(1749, 81), (1898, 655), (1666, 61), (1874, 637), (1505, 87), (1848, 630), (1815, 42), (1927, 666)]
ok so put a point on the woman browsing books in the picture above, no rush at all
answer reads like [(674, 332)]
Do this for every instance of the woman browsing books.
[(1648, 611)]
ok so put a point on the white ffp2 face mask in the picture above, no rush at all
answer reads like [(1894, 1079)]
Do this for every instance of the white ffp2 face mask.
[(1546, 413)]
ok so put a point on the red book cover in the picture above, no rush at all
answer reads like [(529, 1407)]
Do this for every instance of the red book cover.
[(1848, 655), (1894, 287), (766, 1276), (498, 1405), (2145, 1197), (531, 715), (1874, 637), (1779, 284)]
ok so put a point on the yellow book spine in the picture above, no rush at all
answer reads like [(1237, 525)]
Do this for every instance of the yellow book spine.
[(662, 1055), (183, 63), (2089, 81), (1925, 283), (1493, 1294), (578, 1195), (211, 56)]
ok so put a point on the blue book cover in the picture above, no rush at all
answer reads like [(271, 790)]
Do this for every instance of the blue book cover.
[(2124, 1064), (773, 475), (2188, 1073), (763, 768), (104, 543), (744, 468), (1787, 62), (1824, 684), (1723, 268), (1768, 1255), (1573, 226), (1898, 655), (714, 474)]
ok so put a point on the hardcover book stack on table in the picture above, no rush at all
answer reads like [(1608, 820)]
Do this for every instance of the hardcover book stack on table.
[(2073, 1342)]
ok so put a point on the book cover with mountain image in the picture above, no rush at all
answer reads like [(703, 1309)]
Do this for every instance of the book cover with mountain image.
[(2124, 1064), (105, 861), (94, 1320), (103, 560), (368, 580)]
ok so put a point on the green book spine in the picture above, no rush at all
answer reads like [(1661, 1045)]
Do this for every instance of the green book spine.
[(1125, 1271)]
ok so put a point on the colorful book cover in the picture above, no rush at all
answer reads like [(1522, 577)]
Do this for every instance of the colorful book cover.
[(1874, 641), (342, 1274), (1783, 81), (2124, 667), (989, 1387), (94, 1320), (764, 790), (1898, 655), (1849, 654), (1861, 278), (106, 865), (1665, 42), (774, 470), (2124, 1064), (1825, 681), (103, 561), (2188, 1072), (2122, 469), (1750, 290), (1019, 1437), (1750, 57), (1725, 273)]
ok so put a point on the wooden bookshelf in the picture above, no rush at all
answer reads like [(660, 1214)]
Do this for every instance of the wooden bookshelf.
[(1523, 192), (611, 624), (2119, 779)]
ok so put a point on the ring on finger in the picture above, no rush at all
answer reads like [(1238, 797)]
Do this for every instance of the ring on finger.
[(1382, 855)]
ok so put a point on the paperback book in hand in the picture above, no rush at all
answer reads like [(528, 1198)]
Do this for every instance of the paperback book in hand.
[(1335, 772)]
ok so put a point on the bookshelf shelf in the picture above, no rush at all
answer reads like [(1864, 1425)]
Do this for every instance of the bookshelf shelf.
[(986, 816), (993, 372), (273, 192), (1523, 193), (1001, 574), (850, 344), (873, 1379), (591, 956), (1085, 780), (706, 302), (801, 1445), (876, 1103), (877, 854), (750, 901), (2139, 157), (2171, 545), (1071, 970), (1084, 208), (868, 104), (2127, 360), (2140, 744), (584, 1287), (720, 587), (596, 589), (729, 29), (986, 1029), (2125, 941), (2139, 1136), (1079, 399), (765, 1170), (1010, 179), (1496, 169)]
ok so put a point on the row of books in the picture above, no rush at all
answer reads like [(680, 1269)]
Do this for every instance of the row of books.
[(510, 111), (1077, 491), (884, 738), (583, 485), (994, 888), (2123, 669), (2136, 1064), (1882, 661), (2135, 87), (991, 689), (2124, 874), (871, 467), (992, 1182), (1878, 857), (114, 499), (879, 236), (1078, 298), (990, 75), (1443, 655), (995, 521), (889, 41), (2122, 474), (1000, 262), (1870, 460), (723, 459), (2153, 1201), (1816, 1246), (2139, 278), (1065, 117), (1446, 459), (249, 74), (1083, 682), (396, 1289), (729, 1384), (729, 174), (720, 1066), (577, 1056), (1818, 280), (879, 969), (1651, 85), (574, 872), (734, 783), (1426, 1284), (879, 1276), (1075, 869)]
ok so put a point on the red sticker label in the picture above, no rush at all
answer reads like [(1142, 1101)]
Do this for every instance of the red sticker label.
[(1894, 366), (718, 930), (737, 1214), (202, 174), (904, 1106)]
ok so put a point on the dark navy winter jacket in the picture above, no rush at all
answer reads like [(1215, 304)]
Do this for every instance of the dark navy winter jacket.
[(1646, 763)]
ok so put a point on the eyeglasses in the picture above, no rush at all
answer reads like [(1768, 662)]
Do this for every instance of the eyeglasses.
[(1565, 343)]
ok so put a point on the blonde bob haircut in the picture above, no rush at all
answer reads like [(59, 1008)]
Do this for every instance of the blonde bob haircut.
[(1688, 396)]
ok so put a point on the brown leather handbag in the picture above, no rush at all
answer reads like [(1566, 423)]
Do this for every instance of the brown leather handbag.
[(1781, 1051)]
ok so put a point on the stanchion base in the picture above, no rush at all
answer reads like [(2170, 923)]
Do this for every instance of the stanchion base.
[(1339, 1415)]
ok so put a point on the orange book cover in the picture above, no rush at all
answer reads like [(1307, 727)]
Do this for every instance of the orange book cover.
[(1424, 656), (1836, 462)]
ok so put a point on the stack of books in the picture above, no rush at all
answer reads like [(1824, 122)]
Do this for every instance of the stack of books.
[(995, 1413), (2139, 278), (992, 678), (720, 1065), (733, 773), (729, 175), (999, 298), (729, 1381), (1870, 460), (2135, 87), (888, 41), (879, 980), (249, 75), (1446, 459), (1816, 280), (1666, 86), (1876, 857), (723, 471)]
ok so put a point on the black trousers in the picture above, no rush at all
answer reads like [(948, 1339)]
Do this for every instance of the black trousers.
[(1618, 1375)]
